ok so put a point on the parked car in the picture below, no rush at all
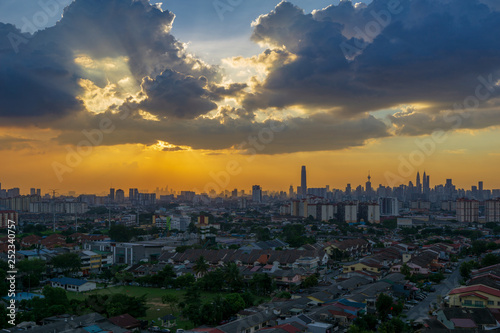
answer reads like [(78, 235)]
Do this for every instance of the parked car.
[(448, 271)]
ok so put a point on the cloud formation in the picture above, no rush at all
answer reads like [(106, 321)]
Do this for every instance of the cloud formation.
[(336, 65), (403, 52)]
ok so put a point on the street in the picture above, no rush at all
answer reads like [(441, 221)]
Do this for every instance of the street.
[(420, 311)]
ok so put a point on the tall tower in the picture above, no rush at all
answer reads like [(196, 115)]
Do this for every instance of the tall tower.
[(419, 185), (369, 184), (303, 182)]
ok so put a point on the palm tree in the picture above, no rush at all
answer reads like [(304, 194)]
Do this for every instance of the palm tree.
[(201, 266)]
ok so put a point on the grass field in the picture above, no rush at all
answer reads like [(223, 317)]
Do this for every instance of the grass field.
[(153, 300)]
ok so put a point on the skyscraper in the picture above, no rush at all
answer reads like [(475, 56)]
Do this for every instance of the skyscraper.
[(256, 193), (303, 182), (111, 194), (419, 185)]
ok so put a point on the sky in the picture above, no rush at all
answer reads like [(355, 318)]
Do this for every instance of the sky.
[(201, 95)]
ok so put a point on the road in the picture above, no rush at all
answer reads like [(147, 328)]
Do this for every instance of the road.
[(421, 310)]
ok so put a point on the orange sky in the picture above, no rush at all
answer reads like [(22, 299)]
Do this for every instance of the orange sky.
[(466, 157)]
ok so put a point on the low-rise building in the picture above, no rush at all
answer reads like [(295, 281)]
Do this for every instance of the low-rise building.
[(71, 284)]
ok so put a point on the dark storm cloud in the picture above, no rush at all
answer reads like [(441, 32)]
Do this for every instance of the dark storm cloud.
[(426, 51), (34, 82), (41, 78), (176, 94), (418, 123), (318, 132)]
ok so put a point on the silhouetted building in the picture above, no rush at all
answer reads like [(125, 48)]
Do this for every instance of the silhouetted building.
[(303, 182)]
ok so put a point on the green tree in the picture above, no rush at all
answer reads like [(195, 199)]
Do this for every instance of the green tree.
[(466, 268), (262, 284), (121, 233), (365, 323), (171, 300), (192, 228), (55, 296), (184, 281), (406, 270), (394, 325), (232, 277), (67, 262), (201, 266), (310, 281), (124, 277), (235, 303), (284, 294), (490, 259), (384, 306), (295, 235)]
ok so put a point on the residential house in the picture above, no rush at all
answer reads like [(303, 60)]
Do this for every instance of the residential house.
[(478, 296)]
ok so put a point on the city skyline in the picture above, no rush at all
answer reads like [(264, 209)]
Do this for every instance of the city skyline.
[(367, 186), (198, 97)]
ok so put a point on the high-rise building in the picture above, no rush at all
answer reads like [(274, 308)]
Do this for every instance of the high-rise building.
[(369, 212), (348, 189), (256, 194), (467, 210), (133, 194), (389, 206), (492, 210), (303, 182), (290, 192), (111, 194), (120, 196), (419, 185)]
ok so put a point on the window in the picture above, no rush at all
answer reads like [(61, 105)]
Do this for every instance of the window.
[(491, 303), (478, 303), (498, 303), (467, 302)]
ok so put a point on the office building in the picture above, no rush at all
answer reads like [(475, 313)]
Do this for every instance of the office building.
[(120, 196), (303, 182), (388, 206), (256, 194)]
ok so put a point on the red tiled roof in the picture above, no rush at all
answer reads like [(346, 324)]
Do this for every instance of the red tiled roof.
[(125, 321), (474, 294), (286, 327), (342, 314), (476, 288)]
